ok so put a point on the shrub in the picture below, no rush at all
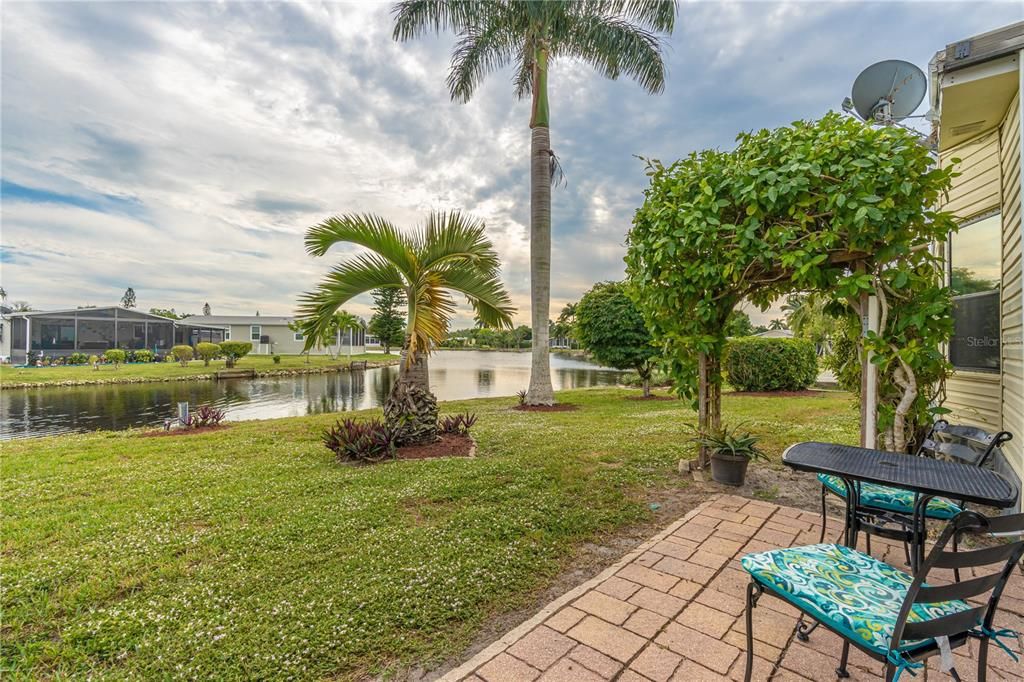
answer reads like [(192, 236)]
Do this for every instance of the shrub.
[(366, 441), (521, 395), (206, 415), (77, 359), (457, 424), (759, 364), (114, 356), (94, 360), (143, 355), (207, 351), (277, 359), (182, 354), (233, 350)]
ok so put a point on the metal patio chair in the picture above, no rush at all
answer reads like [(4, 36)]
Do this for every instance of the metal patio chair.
[(893, 617), (888, 512)]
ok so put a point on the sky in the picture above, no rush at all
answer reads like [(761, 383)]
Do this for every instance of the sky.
[(182, 149)]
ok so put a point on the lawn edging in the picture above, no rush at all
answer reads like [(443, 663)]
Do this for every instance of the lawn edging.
[(515, 634)]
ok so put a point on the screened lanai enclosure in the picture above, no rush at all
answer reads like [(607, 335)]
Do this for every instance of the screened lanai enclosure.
[(95, 330)]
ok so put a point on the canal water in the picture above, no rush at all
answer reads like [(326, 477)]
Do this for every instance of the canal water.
[(454, 375)]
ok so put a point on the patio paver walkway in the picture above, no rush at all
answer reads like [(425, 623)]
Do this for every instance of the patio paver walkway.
[(673, 610)]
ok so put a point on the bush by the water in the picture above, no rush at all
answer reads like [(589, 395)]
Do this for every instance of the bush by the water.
[(182, 354), (659, 379), (141, 355), (233, 350), (363, 441), (207, 415), (207, 351), (114, 356), (759, 364)]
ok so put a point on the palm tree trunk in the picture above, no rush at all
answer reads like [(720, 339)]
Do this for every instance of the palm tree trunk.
[(540, 391), (410, 410)]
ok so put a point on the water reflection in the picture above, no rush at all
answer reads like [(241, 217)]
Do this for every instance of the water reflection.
[(454, 375)]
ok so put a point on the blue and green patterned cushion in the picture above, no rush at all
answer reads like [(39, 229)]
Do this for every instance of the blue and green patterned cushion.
[(891, 499), (853, 593)]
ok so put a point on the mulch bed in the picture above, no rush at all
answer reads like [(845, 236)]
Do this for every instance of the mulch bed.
[(560, 407), (778, 394), (183, 432), (449, 445)]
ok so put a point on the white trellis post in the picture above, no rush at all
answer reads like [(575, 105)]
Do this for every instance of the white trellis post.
[(869, 376)]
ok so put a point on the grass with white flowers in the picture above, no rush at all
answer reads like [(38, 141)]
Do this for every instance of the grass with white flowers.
[(249, 553)]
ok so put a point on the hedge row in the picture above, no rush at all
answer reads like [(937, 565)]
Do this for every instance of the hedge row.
[(759, 364)]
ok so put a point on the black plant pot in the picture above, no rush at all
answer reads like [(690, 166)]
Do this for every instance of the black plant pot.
[(729, 469)]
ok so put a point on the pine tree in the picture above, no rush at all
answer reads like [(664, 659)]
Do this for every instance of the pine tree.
[(128, 300), (206, 309), (388, 321)]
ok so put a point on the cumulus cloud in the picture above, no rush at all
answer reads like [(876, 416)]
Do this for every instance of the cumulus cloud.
[(183, 148)]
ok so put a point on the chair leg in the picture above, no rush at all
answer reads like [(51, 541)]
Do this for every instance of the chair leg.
[(956, 571), (890, 672), (753, 594), (867, 541), (823, 516), (982, 659), (841, 671)]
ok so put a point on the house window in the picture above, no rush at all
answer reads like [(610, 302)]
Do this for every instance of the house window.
[(974, 276), (254, 333), (227, 333), (298, 336)]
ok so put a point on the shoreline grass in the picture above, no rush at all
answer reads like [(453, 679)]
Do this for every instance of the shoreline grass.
[(19, 377), (249, 553)]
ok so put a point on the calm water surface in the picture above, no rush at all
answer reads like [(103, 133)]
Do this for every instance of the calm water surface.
[(454, 375)]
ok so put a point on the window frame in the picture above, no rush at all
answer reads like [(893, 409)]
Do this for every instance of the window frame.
[(259, 332), (998, 290)]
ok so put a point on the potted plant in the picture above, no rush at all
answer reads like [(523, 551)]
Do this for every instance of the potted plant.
[(731, 451)]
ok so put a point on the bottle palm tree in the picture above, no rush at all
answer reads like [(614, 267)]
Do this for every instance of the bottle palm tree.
[(616, 37), (449, 254)]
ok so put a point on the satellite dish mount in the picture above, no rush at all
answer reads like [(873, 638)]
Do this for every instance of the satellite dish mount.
[(887, 92)]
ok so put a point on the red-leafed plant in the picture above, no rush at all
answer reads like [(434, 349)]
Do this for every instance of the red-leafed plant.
[(362, 441)]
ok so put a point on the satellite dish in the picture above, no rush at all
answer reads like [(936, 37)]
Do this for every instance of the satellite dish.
[(889, 91)]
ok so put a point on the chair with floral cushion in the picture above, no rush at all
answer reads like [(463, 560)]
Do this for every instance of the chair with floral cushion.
[(888, 511), (893, 617)]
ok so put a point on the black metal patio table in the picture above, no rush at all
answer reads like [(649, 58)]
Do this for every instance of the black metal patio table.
[(925, 477)]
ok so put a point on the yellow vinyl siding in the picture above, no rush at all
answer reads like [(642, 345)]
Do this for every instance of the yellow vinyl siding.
[(1012, 346), (976, 190), (974, 397)]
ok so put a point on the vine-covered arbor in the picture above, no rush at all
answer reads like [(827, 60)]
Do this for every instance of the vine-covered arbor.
[(832, 206)]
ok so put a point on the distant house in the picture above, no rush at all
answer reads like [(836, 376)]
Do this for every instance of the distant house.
[(59, 333), (270, 334), (5, 334)]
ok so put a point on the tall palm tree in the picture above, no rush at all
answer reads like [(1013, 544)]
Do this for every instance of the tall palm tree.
[(449, 254), (616, 37)]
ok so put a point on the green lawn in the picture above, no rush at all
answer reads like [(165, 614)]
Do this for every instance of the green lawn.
[(158, 371), (249, 553)]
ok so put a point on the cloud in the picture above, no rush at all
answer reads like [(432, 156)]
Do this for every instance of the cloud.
[(183, 148)]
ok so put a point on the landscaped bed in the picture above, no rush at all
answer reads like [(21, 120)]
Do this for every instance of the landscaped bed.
[(72, 375), (249, 552)]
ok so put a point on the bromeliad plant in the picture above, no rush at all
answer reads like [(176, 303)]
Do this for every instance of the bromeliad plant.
[(360, 441), (449, 254), (458, 424), (731, 441)]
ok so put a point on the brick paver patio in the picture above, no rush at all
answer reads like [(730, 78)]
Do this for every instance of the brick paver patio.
[(673, 610)]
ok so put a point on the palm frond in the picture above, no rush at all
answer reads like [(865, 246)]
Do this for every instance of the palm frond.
[(656, 15), (615, 47), (479, 52), (484, 292), (368, 230), (522, 80), (416, 17), (456, 236), (361, 274)]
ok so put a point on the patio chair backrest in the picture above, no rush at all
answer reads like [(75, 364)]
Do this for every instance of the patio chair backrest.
[(963, 443), (978, 618)]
